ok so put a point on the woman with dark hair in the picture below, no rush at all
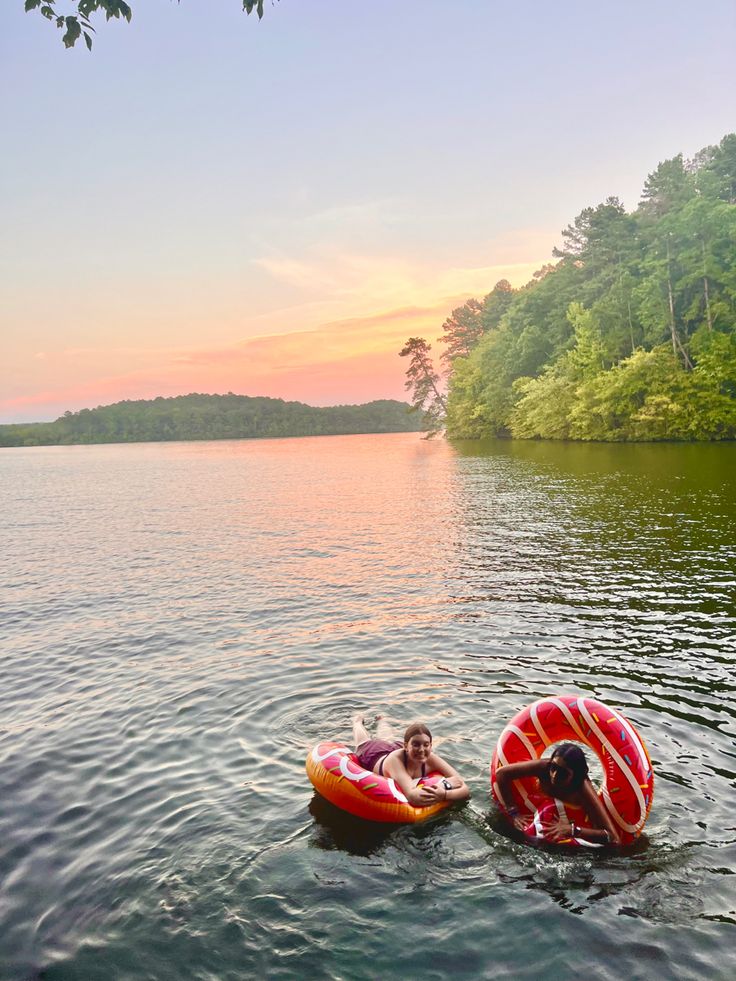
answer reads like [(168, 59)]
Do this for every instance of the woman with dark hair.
[(407, 762), (563, 775)]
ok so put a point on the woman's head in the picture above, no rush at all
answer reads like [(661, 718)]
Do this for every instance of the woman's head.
[(568, 766), (418, 741), (415, 729)]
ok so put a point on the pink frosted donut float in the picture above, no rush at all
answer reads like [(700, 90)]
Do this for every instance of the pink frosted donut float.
[(628, 785), (335, 772)]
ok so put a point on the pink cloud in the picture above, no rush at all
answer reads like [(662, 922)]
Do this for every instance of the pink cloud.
[(352, 360)]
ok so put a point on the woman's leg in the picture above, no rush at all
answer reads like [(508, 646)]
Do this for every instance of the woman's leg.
[(383, 729), (360, 733)]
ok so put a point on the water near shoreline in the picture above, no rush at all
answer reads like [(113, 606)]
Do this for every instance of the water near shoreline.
[(180, 622)]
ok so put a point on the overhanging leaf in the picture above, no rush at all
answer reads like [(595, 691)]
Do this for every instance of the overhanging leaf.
[(73, 30)]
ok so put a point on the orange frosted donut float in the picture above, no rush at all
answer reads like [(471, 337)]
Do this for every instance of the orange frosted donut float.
[(335, 772), (628, 786)]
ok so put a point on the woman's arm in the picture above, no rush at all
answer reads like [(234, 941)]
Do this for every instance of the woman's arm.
[(394, 767), (458, 789), (505, 776), (605, 831)]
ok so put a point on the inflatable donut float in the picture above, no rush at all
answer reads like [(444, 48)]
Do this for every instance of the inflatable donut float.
[(337, 775), (628, 786)]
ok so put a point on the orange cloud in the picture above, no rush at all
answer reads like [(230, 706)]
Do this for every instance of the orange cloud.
[(351, 359), (346, 361)]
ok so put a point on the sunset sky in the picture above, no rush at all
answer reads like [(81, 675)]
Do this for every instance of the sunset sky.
[(208, 203)]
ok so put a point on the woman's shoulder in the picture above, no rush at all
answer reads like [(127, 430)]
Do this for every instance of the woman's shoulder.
[(588, 789), (395, 755), (530, 768)]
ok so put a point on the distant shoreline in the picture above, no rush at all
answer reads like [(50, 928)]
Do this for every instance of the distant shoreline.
[(197, 418), (220, 439)]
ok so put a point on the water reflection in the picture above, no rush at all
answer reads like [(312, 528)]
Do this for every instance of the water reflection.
[(336, 829), (236, 603)]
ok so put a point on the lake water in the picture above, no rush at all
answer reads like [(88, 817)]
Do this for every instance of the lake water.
[(181, 622)]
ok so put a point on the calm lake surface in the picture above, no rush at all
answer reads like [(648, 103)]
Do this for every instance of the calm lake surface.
[(181, 622)]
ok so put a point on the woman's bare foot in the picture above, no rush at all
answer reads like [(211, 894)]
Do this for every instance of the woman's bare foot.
[(360, 733), (383, 728)]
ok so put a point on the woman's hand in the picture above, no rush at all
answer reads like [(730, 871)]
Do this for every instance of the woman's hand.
[(422, 796), (559, 830), (518, 821), (437, 793), (427, 795)]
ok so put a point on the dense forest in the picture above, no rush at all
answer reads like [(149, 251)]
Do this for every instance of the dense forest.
[(630, 334), (210, 417)]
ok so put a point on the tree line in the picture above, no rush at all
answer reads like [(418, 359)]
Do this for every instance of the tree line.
[(629, 334), (194, 417)]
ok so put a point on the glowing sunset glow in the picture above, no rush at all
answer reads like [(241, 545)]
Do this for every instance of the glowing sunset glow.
[(350, 360), (274, 208)]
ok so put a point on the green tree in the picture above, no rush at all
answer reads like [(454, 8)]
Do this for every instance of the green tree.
[(607, 405), (495, 305), (545, 403), (667, 188), (602, 245), (461, 332), (595, 235), (422, 381), (706, 229), (661, 304), (480, 388), (543, 406), (209, 417), (716, 170), (78, 24), (650, 396), (624, 337)]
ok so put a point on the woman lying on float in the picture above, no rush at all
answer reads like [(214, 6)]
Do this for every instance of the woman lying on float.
[(408, 762), (384, 778)]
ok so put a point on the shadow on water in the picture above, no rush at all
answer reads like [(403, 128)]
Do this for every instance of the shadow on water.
[(335, 829)]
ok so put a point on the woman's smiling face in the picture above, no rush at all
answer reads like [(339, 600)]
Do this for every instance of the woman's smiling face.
[(418, 747)]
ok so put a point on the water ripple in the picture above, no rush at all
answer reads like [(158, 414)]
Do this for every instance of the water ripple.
[(180, 622)]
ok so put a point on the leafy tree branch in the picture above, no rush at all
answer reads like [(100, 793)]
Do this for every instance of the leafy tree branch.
[(73, 17)]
